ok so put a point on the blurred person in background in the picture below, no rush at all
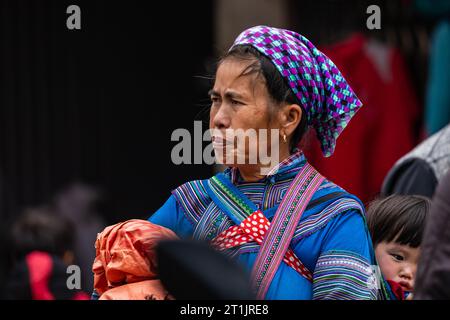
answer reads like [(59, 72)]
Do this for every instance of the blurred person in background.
[(42, 245), (433, 273), (420, 170), (78, 203)]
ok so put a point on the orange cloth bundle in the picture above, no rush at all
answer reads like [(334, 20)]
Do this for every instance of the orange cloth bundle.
[(125, 254)]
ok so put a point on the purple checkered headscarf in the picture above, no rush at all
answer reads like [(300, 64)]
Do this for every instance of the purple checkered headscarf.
[(326, 97)]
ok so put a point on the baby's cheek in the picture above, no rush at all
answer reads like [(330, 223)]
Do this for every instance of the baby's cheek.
[(388, 268)]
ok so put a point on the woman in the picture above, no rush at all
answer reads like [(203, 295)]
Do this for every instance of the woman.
[(300, 235)]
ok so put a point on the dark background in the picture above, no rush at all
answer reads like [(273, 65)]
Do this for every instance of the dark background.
[(98, 105)]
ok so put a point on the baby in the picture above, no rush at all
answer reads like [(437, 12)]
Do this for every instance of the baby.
[(396, 224)]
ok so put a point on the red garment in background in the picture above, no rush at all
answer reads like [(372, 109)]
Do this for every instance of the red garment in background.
[(44, 273), (383, 130)]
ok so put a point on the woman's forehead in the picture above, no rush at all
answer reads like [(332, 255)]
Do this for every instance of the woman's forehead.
[(231, 76)]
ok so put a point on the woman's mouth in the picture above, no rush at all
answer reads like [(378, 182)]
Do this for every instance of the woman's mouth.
[(219, 141)]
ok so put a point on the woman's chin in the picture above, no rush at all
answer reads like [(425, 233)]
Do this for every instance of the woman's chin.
[(226, 158), (226, 162)]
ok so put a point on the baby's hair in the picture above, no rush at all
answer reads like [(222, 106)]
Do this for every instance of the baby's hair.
[(398, 218)]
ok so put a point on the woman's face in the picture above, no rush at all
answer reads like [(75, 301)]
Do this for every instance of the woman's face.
[(240, 101), (398, 263)]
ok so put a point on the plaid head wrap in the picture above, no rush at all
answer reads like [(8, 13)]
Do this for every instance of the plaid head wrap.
[(322, 91)]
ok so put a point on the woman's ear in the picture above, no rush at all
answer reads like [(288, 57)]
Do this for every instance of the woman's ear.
[(291, 114)]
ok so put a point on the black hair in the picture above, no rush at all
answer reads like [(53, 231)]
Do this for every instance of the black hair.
[(398, 218), (276, 85), (42, 229)]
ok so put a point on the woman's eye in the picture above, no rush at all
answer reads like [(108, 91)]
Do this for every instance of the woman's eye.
[(397, 257)]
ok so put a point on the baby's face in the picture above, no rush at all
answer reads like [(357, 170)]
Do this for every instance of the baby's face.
[(398, 263)]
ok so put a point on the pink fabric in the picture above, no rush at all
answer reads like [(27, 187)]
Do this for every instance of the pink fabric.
[(40, 266)]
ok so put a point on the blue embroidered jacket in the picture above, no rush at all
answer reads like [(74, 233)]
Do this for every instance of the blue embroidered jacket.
[(331, 238)]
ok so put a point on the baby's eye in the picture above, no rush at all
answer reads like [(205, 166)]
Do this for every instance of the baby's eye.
[(397, 257)]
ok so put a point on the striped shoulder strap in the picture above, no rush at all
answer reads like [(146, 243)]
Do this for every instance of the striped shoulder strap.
[(283, 226)]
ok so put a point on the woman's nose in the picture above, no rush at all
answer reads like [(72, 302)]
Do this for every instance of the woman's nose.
[(221, 118)]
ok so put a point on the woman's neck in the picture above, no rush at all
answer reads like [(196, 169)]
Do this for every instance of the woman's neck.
[(252, 173)]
